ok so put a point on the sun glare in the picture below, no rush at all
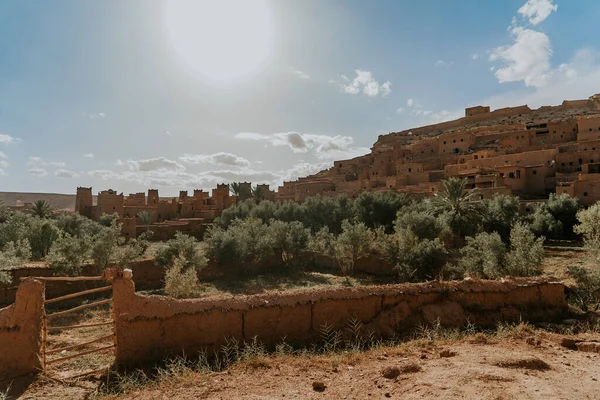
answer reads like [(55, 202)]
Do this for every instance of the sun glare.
[(220, 40)]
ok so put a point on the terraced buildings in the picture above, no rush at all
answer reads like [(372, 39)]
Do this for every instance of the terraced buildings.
[(516, 150)]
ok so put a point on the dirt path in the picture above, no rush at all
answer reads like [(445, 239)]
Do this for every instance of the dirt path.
[(506, 369)]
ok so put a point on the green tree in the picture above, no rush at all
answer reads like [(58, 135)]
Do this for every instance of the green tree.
[(564, 209), (42, 209), (5, 212), (259, 193), (146, 218), (182, 247), (484, 256), (456, 203), (589, 228), (526, 252), (289, 238), (500, 212), (377, 209)]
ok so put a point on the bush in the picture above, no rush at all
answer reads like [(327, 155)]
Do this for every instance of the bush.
[(526, 252), (542, 222), (421, 222), (379, 209), (484, 256), (501, 211), (415, 259), (105, 245), (290, 239), (180, 281), (183, 247), (69, 254), (589, 228), (564, 209), (13, 255), (587, 293)]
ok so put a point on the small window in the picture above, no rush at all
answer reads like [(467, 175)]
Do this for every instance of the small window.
[(454, 141), (340, 166), (534, 172), (461, 140), (476, 157), (563, 164), (410, 170), (580, 161), (585, 194), (590, 129), (444, 142), (570, 162)]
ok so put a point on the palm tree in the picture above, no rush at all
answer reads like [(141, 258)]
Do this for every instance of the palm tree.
[(259, 193), (234, 188), (42, 209), (146, 218), (455, 200)]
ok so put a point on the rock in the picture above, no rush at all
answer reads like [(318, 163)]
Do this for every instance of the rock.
[(592, 347), (390, 372), (388, 394), (319, 386), (569, 343), (533, 341), (447, 353)]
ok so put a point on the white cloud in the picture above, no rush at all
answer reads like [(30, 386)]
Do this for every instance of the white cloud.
[(331, 81), (400, 110), (443, 64), (4, 164), (410, 102), (119, 163), (216, 159), (94, 115), (6, 139), (3, 155), (88, 155), (168, 133), (537, 10), (65, 173), (474, 56), (577, 79), (155, 164), (344, 77), (366, 83), (325, 147), (302, 75), (38, 161), (527, 59), (39, 172), (2, 172)]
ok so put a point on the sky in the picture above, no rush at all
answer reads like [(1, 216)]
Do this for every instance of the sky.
[(184, 94)]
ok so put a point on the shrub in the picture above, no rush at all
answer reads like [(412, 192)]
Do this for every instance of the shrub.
[(108, 219), (290, 238), (421, 222), (183, 247), (415, 259), (586, 294), (69, 254), (41, 237), (484, 255), (379, 209), (356, 241), (526, 252), (501, 211), (13, 255), (589, 228), (542, 222), (564, 209), (104, 246), (180, 281)]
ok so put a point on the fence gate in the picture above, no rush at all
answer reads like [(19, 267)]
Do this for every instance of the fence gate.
[(81, 346)]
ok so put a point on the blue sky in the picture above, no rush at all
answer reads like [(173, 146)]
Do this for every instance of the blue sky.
[(186, 94)]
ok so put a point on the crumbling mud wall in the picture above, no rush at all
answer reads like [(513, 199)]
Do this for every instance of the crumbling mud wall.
[(20, 331), (151, 327)]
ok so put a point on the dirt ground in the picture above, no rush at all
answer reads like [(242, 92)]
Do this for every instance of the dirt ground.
[(515, 363)]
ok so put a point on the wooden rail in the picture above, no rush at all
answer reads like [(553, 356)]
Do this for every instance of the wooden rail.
[(67, 278), (65, 327), (96, 303), (80, 354), (79, 345), (73, 295)]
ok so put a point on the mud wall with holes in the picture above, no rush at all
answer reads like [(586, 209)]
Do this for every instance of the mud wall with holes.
[(20, 331), (151, 327)]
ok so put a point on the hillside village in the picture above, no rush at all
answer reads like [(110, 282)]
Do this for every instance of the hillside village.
[(516, 150)]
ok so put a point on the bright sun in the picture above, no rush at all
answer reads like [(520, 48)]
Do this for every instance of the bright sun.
[(220, 39)]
